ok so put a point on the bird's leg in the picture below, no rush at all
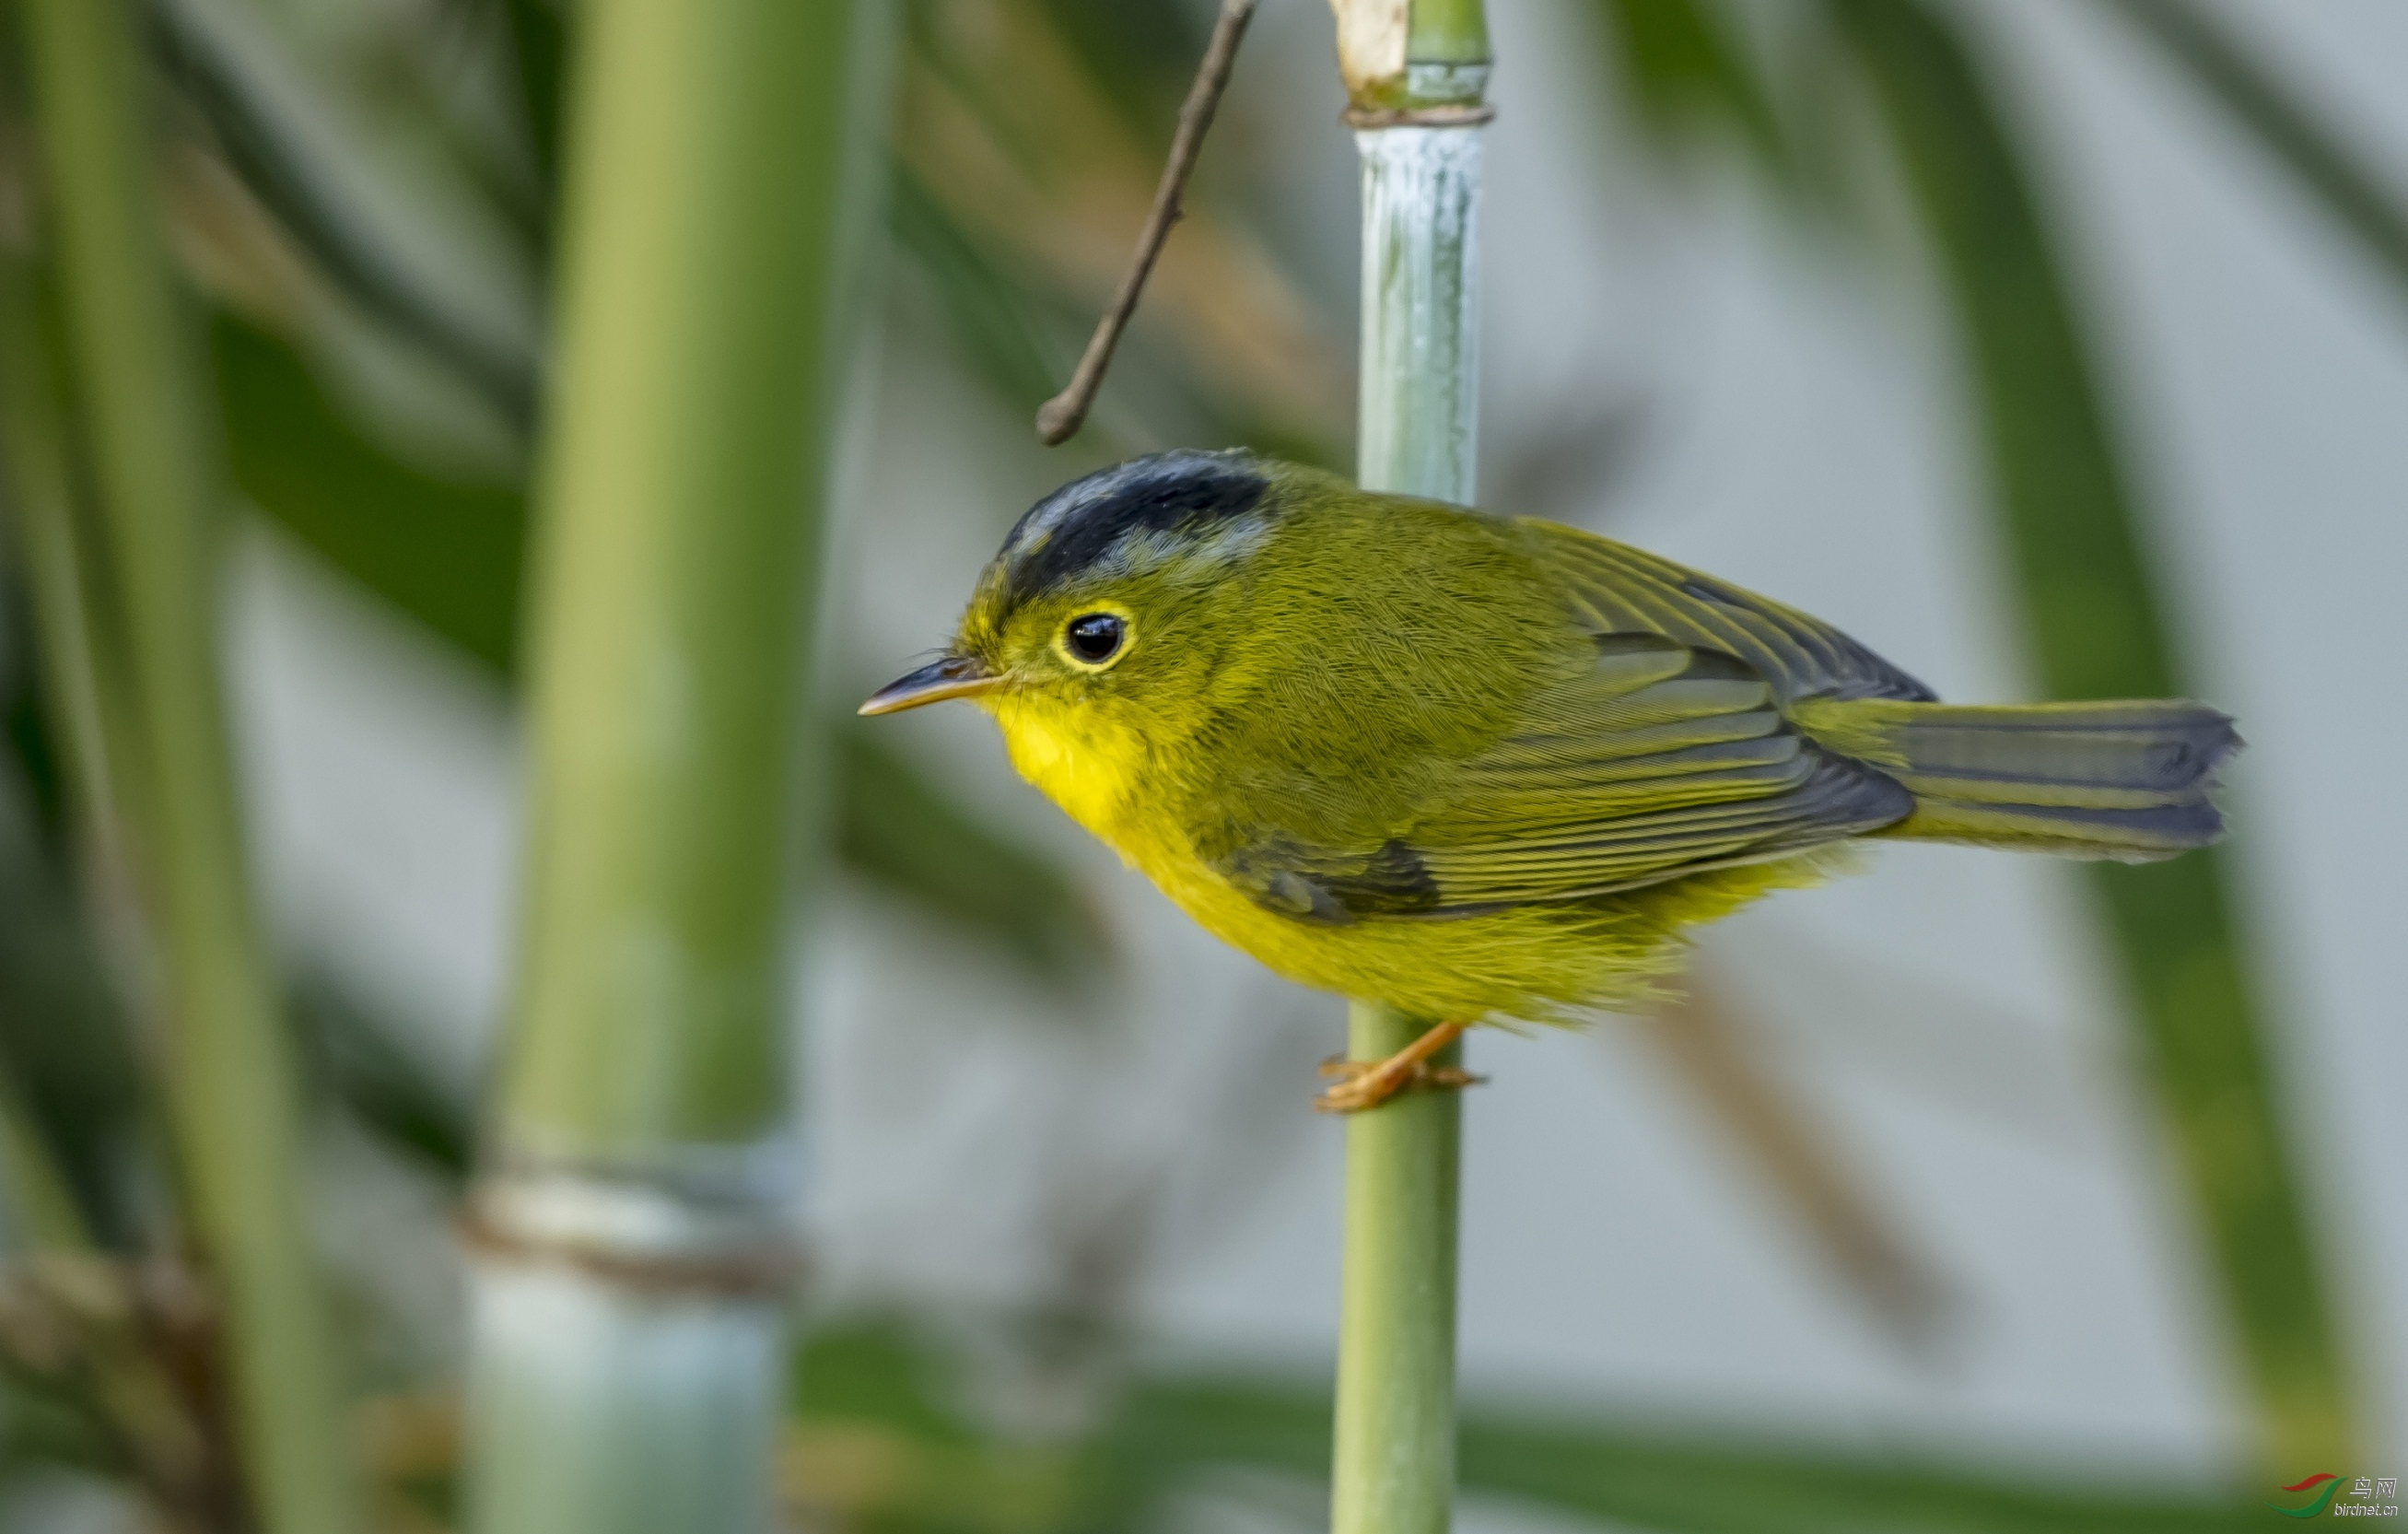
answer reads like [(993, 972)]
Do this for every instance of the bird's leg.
[(1367, 1084)]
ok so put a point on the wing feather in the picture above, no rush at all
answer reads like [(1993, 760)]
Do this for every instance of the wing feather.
[(1658, 760), (1620, 590)]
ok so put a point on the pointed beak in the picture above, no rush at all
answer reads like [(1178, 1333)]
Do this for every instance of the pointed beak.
[(956, 676)]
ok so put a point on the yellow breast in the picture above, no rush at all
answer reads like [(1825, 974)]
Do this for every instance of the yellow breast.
[(1102, 776), (1094, 770)]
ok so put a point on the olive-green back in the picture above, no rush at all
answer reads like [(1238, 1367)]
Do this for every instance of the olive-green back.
[(1493, 712)]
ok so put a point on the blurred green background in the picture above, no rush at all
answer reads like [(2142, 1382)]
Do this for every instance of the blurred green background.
[(2052, 349)]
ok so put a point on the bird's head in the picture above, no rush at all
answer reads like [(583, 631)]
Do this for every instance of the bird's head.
[(1112, 600)]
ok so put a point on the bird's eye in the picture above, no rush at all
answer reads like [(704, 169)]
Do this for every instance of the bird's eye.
[(1096, 637)]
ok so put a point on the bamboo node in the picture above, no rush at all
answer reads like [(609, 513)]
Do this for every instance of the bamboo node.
[(1450, 114), (755, 1270)]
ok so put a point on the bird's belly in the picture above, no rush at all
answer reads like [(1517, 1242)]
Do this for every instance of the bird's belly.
[(1543, 963)]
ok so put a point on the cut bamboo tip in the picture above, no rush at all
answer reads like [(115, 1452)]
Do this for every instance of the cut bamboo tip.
[(1371, 35)]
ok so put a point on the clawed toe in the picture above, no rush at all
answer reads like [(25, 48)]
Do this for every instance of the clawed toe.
[(1353, 1094), (1365, 1083)]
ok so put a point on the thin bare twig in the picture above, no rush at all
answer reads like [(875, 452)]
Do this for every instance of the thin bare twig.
[(1058, 418)]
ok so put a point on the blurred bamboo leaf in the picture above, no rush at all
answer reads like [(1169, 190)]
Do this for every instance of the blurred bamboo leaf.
[(2072, 528), (62, 1035), (1699, 1482), (446, 552), (365, 1063), (1227, 352), (878, 1438), (71, 715), (449, 555), (1687, 69), (40, 1434), (449, 551), (144, 420), (538, 43), (1019, 329), (1049, 171), (1138, 57), (63, 1049), (64, 1042), (42, 1211), (1017, 342), (877, 1443), (873, 1442), (872, 1369), (2262, 105), (1716, 1484), (391, 252), (40, 765)]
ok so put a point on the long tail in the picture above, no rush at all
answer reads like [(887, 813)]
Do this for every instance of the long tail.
[(2127, 780)]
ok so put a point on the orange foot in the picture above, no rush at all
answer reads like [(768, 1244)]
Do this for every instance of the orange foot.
[(1367, 1084)]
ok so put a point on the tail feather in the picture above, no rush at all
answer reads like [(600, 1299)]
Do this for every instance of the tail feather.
[(2129, 781)]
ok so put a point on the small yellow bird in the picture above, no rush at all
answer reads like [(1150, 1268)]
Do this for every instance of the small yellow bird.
[(1477, 766)]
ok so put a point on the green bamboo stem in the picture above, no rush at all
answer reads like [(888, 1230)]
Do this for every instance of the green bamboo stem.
[(1447, 32), (1393, 1454), (231, 1083), (1401, 53), (630, 1335)]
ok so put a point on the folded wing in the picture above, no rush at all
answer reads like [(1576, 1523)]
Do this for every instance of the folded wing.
[(1614, 589), (1658, 760)]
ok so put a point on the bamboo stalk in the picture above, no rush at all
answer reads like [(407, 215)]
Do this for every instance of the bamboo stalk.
[(1392, 1452), (1393, 1467), (232, 1088), (630, 1221)]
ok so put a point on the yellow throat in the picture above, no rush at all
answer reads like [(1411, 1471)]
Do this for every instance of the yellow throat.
[(1091, 766)]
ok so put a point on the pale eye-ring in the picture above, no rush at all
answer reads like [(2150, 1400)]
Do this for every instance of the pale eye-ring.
[(1096, 637)]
